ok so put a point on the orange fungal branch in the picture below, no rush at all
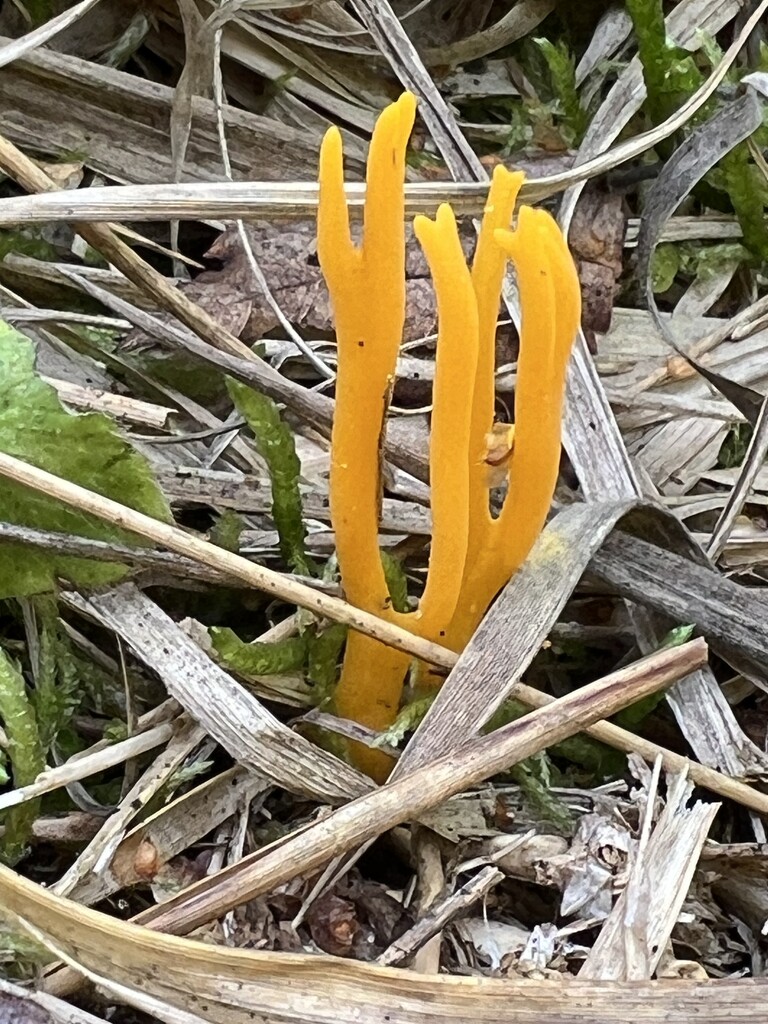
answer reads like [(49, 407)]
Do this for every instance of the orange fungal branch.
[(472, 554)]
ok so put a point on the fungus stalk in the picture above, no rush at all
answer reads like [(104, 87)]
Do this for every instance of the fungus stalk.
[(472, 555)]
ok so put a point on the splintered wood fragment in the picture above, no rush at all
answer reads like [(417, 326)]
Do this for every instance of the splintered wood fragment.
[(98, 853), (647, 910), (122, 407), (439, 916), (171, 830), (408, 797)]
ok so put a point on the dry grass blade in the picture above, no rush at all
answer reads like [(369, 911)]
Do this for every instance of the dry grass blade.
[(230, 986), (48, 98), (507, 641), (620, 739), (523, 18), (266, 199), (17, 48), (104, 239), (753, 462), (509, 638), (626, 97), (227, 711), (706, 144)]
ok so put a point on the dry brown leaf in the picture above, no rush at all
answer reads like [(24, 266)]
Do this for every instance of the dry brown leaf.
[(596, 239), (288, 258)]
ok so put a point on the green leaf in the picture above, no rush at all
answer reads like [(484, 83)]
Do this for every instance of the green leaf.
[(533, 777), (666, 263), (397, 583), (323, 660), (634, 715), (43, 614), (677, 636), (670, 73), (600, 760), (257, 659), (57, 691), (734, 448), (407, 720), (226, 531), (705, 261), (748, 191), (26, 756), (276, 446), (562, 70), (85, 449)]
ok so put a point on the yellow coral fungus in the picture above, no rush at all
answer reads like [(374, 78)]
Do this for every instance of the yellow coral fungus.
[(367, 286), (472, 555)]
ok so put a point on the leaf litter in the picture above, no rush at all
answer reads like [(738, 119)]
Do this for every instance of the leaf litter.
[(584, 867)]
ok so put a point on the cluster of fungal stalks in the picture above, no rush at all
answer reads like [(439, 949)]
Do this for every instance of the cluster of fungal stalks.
[(472, 554)]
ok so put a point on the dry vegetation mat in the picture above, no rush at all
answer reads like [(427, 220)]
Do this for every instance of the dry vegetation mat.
[(383, 530)]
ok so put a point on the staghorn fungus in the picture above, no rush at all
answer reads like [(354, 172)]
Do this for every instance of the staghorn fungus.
[(472, 555)]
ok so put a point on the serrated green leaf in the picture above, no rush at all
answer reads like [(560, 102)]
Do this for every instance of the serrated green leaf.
[(734, 447), (85, 449), (57, 691), (678, 635), (225, 532), (601, 760), (634, 715), (258, 659), (670, 73), (705, 261), (748, 191), (533, 777), (562, 70), (186, 773), (671, 76), (276, 446)]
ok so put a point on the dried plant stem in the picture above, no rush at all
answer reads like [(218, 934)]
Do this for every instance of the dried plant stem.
[(85, 765), (17, 48), (629, 743), (232, 565), (373, 814)]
